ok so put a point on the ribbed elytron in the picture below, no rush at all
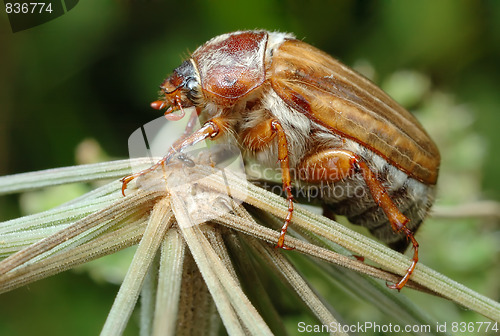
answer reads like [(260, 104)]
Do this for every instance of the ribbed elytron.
[(291, 106)]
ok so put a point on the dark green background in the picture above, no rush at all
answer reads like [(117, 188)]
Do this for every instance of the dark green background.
[(92, 73)]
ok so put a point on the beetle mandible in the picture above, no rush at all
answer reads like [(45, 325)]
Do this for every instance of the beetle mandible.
[(294, 107)]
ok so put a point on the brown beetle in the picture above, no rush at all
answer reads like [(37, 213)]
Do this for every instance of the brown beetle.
[(293, 107)]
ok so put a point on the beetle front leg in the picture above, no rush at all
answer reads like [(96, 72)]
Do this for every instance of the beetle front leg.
[(210, 130), (259, 137), (333, 165)]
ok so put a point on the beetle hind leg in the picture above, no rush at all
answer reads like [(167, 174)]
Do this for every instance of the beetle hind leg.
[(333, 165)]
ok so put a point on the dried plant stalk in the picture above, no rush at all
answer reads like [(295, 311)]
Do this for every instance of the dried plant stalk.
[(197, 283)]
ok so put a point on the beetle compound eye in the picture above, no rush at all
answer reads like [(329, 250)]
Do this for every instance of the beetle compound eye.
[(191, 84), (192, 88)]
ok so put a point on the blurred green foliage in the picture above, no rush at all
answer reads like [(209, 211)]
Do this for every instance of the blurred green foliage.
[(92, 72)]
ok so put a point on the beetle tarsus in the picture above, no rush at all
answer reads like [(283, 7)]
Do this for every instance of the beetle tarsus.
[(127, 179), (283, 158), (284, 228), (409, 271)]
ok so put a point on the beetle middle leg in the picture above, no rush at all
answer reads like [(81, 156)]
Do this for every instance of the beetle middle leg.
[(333, 165), (259, 137)]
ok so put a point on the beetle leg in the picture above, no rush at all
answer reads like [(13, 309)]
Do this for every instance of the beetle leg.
[(285, 177), (257, 138), (210, 129), (333, 165)]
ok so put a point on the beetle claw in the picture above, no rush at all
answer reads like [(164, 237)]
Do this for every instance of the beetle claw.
[(281, 242)]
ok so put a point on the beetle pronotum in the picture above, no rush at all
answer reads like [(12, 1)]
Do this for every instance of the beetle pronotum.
[(291, 106)]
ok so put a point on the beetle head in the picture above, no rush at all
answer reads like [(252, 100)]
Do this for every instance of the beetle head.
[(178, 91), (221, 72)]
